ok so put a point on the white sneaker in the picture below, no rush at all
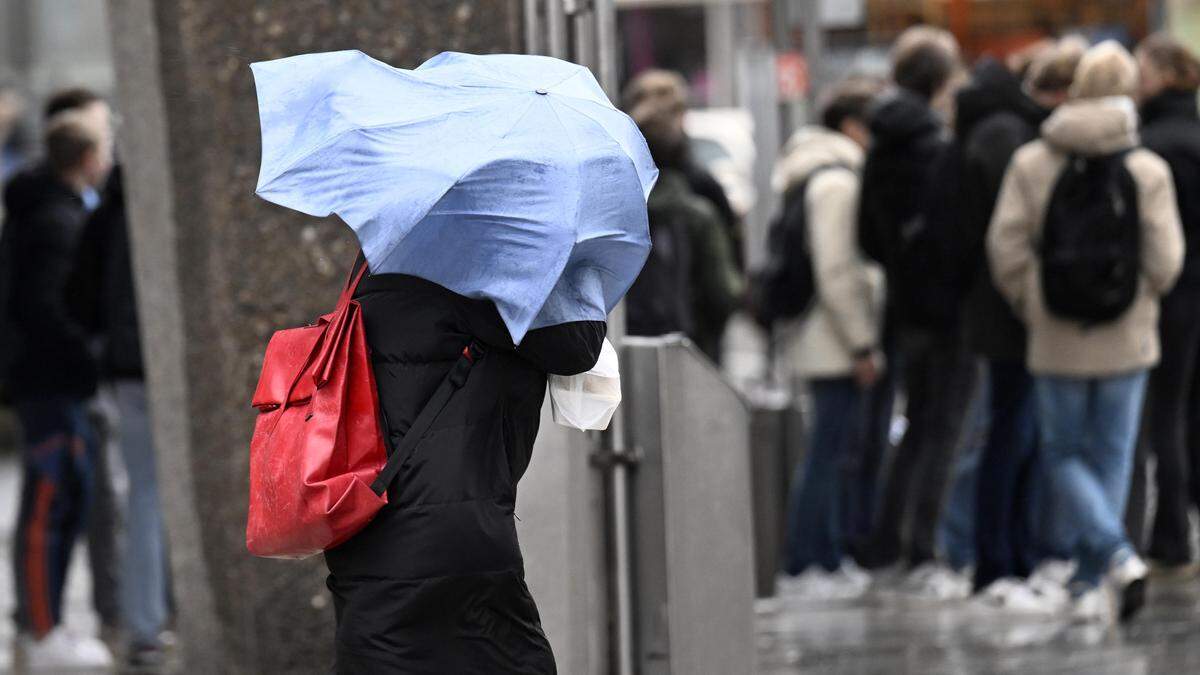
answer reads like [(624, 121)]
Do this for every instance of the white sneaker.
[(817, 584), (1056, 572), (1128, 581), (1094, 606), (936, 581), (61, 651), (1018, 597), (855, 574)]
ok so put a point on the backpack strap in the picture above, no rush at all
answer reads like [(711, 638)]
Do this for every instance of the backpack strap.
[(453, 381)]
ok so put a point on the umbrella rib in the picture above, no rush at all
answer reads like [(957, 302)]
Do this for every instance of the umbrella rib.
[(467, 172), (383, 125)]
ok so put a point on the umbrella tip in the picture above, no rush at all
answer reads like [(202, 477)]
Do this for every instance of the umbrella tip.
[(543, 92)]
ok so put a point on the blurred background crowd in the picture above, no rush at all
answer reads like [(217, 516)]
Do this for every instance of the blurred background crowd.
[(959, 235)]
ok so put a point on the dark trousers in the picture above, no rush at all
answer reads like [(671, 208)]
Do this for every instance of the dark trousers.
[(1007, 469), (938, 377), (1171, 433), (814, 535), (57, 454), (863, 467)]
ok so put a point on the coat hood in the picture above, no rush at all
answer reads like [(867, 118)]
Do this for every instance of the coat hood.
[(994, 89), (900, 116), (811, 148), (1100, 126), (32, 188)]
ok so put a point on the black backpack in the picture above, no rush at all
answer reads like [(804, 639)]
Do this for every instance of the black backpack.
[(786, 285), (1090, 247)]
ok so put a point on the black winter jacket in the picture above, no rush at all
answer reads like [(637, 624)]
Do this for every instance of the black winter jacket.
[(907, 139), (435, 584), (45, 218), (101, 289), (994, 118), (1171, 128)]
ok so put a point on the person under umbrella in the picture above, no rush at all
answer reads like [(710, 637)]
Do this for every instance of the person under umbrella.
[(500, 203)]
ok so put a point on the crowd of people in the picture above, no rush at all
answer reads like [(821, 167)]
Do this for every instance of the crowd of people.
[(72, 372), (1007, 257)]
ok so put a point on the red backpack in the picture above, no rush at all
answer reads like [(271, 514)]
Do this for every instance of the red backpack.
[(319, 466)]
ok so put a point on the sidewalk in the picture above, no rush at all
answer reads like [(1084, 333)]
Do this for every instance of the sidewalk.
[(79, 616)]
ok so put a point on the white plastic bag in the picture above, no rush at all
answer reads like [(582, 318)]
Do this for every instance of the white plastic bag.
[(588, 401)]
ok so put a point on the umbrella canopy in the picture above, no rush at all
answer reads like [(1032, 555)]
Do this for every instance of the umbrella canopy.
[(505, 177)]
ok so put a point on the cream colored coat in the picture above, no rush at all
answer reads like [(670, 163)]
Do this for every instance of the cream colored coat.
[(846, 313), (1063, 347)]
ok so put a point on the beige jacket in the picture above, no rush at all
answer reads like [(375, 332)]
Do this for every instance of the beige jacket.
[(846, 313), (1063, 347)]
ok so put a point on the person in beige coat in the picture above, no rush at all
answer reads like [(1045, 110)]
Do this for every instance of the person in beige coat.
[(834, 346), (1089, 379)]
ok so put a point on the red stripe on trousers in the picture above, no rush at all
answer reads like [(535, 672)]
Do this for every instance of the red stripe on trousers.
[(37, 587)]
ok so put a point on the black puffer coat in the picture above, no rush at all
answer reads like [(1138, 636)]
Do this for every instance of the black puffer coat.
[(995, 117), (44, 221), (435, 584), (907, 140), (1171, 128)]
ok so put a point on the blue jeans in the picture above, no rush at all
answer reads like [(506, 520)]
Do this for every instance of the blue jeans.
[(957, 527), (143, 584), (814, 534), (1088, 428), (57, 453)]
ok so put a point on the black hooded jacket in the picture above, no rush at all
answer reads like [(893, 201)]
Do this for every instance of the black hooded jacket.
[(1171, 128), (435, 583), (994, 118), (44, 220), (907, 138), (101, 289)]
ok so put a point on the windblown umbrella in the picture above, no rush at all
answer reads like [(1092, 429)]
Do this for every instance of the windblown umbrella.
[(505, 177)]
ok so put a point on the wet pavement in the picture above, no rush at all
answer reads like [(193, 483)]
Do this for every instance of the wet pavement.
[(883, 634), (888, 635)]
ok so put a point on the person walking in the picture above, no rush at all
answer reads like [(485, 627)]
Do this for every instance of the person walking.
[(51, 376), (1170, 77), (690, 283), (996, 114), (439, 571), (102, 291), (835, 347), (898, 229), (1085, 239)]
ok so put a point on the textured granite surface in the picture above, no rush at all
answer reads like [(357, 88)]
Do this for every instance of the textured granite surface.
[(219, 269)]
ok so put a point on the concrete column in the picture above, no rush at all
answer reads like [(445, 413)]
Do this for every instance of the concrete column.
[(218, 270)]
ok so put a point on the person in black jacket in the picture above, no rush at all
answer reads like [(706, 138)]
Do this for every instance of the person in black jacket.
[(896, 228), (996, 114), (1170, 77), (436, 584), (101, 291), (51, 375)]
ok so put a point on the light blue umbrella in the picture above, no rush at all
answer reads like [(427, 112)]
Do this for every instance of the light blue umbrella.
[(505, 177)]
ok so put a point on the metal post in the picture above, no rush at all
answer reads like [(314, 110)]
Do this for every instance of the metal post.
[(814, 52), (583, 23), (533, 36)]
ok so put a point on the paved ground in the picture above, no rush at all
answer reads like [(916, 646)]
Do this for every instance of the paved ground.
[(878, 636), (888, 636)]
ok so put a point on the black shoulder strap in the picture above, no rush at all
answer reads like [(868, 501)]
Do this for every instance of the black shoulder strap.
[(454, 381)]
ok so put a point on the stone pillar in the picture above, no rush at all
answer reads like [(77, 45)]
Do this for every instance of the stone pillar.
[(218, 270)]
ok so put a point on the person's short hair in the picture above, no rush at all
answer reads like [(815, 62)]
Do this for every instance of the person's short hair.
[(1108, 69), (660, 88), (1054, 69), (849, 99), (1172, 60), (74, 98), (924, 59), (68, 137)]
